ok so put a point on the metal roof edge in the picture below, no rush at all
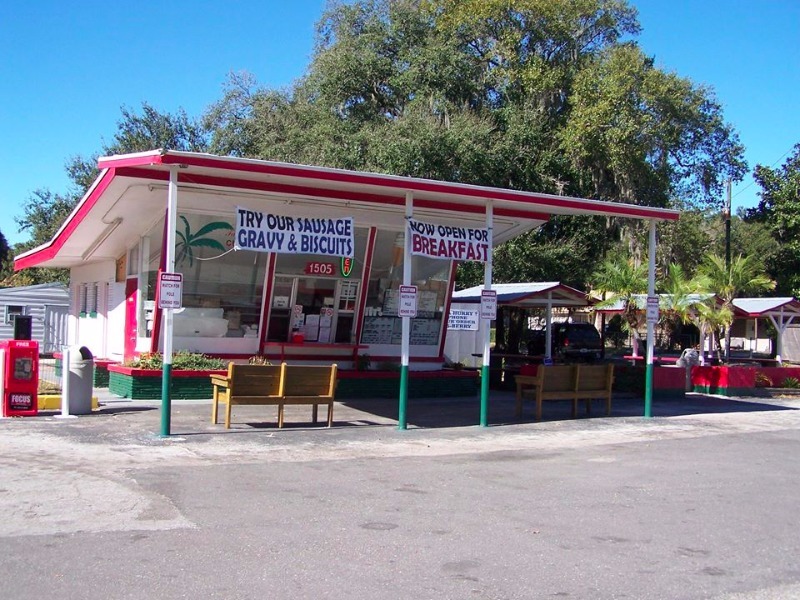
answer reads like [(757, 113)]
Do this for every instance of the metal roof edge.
[(35, 256), (166, 157)]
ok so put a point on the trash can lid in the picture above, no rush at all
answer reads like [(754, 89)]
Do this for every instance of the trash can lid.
[(86, 354)]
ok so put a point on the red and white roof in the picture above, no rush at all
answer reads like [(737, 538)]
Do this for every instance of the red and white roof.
[(527, 295), (763, 307), (130, 196)]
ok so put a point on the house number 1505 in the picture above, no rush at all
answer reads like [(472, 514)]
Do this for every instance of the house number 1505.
[(319, 268)]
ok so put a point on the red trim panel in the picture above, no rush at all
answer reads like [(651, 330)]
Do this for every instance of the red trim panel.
[(447, 302), (310, 191), (365, 273), (267, 308), (385, 181), (396, 182)]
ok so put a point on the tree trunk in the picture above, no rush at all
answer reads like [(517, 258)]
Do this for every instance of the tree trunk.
[(727, 343), (500, 330), (516, 324)]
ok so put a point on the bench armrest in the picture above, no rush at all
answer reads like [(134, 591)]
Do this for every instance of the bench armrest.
[(220, 380)]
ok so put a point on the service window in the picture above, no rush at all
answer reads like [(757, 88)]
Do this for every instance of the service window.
[(222, 289), (431, 276)]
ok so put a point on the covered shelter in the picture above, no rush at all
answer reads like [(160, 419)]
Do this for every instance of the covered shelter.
[(782, 313), (294, 262), (544, 295)]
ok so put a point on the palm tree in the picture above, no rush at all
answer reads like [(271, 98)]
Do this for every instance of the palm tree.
[(710, 317), (625, 280), (681, 296), (745, 275), (186, 241)]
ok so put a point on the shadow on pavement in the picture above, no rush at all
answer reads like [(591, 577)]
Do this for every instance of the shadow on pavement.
[(102, 411), (192, 419), (118, 410), (460, 412)]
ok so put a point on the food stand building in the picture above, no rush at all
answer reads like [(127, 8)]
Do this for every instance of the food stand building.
[(332, 295)]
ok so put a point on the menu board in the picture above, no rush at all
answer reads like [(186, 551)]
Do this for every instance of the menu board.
[(426, 304), (389, 330), (381, 330), (425, 332), (391, 301)]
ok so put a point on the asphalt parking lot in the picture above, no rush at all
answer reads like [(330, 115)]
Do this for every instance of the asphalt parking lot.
[(698, 502)]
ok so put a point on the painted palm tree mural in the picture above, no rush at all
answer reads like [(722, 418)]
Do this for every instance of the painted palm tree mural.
[(187, 242)]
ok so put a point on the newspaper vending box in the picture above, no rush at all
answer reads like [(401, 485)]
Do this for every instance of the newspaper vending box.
[(20, 377)]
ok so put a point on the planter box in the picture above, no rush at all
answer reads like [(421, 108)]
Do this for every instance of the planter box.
[(144, 384), (779, 374), (725, 381)]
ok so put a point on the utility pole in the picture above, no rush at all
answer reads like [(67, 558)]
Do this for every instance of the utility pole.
[(728, 227), (728, 262)]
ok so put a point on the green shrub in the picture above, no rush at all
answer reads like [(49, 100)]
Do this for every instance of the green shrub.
[(363, 362), (259, 359), (45, 387), (763, 380), (791, 382), (181, 361)]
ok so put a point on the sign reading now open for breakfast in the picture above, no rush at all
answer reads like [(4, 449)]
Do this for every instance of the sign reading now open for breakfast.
[(448, 243)]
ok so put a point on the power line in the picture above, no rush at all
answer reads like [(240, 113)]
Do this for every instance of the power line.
[(752, 183)]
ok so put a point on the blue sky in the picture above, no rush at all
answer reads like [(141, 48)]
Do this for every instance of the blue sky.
[(68, 67)]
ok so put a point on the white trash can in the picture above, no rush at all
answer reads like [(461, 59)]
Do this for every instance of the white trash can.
[(81, 381)]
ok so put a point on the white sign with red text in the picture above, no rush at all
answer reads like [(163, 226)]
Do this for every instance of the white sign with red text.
[(408, 301), (170, 290), (652, 309), (488, 305)]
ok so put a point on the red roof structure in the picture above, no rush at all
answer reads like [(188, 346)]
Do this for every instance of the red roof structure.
[(131, 193)]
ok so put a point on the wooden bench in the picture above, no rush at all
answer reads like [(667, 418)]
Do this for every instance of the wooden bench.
[(569, 382), (277, 385), (309, 384)]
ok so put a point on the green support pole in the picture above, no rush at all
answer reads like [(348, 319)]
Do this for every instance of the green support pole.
[(401, 411), (166, 404), (648, 391), (485, 396)]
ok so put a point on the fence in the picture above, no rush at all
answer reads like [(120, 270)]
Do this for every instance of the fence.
[(50, 379)]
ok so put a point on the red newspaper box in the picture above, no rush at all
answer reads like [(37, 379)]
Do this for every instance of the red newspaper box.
[(20, 377)]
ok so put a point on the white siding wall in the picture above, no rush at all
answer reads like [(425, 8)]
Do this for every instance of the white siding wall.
[(115, 337), (91, 330)]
